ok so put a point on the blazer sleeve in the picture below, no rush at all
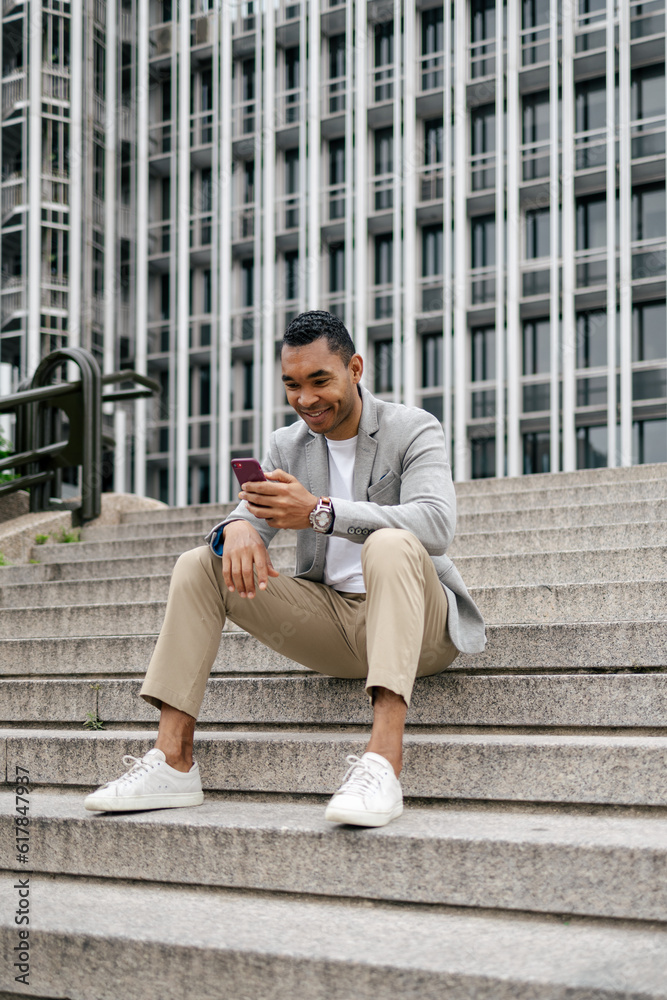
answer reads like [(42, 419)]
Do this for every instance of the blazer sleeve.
[(426, 499), (241, 513)]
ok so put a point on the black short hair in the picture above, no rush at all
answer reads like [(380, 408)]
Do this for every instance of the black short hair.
[(310, 326)]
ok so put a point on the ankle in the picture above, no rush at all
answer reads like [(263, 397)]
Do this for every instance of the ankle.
[(180, 757), (395, 758)]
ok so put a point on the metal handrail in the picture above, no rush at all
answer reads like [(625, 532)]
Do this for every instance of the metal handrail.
[(38, 404)]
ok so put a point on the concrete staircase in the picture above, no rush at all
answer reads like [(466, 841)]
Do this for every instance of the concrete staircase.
[(531, 861)]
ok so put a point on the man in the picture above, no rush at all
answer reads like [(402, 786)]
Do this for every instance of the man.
[(367, 486)]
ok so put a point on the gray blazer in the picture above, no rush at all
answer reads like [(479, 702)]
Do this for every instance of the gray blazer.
[(402, 479)]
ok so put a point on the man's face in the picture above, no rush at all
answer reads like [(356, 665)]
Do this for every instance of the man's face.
[(322, 389)]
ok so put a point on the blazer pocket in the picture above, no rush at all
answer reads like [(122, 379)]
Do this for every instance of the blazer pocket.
[(386, 491)]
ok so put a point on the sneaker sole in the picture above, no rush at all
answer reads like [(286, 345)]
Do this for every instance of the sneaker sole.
[(358, 817), (135, 802)]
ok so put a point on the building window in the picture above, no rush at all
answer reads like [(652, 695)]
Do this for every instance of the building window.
[(483, 457), (536, 452), (431, 250), (537, 233), (483, 141), (292, 74), (649, 441), (206, 291), (384, 166), (384, 366), (384, 273), (433, 141), (591, 222), (292, 188), (592, 447), (337, 267), (248, 182), (248, 95), (535, 125), (291, 275), (431, 360), (649, 331), (536, 347), (483, 242), (432, 44), (384, 56), (482, 20), (647, 95), (648, 213), (483, 354), (247, 283), (336, 178), (592, 339), (590, 104), (337, 72)]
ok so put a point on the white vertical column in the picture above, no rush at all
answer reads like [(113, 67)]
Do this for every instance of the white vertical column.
[(314, 86), (120, 462), (409, 252), (110, 179), (257, 287), (76, 173), (141, 278), (461, 450), (625, 232), (267, 311), (501, 350), (554, 225), (611, 235), (34, 284), (397, 237), (215, 251), (225, 253), (349, 144), (569, 332), (447, 230), (360, 198), (514, 352), (183, 268), (303, 160)]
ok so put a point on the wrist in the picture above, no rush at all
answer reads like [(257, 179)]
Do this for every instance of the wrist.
[(322, 516)]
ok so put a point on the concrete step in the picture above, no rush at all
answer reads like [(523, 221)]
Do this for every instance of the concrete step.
[(545, 480), (627, 564), (604, 865), (277, 947), (585, 701), (566, 496), (212, 513), (572, 602), (600, 602), (563, 516), (126, 548), (594, 537), (557, 768), (571, 566), (509, 647), (105, 590)]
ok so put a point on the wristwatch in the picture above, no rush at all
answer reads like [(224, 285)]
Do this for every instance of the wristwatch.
[(322, 517)]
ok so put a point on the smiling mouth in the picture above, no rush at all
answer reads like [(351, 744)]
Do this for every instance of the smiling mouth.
[(314, 414)]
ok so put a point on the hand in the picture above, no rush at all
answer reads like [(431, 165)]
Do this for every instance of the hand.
[(243, 550), (282, 501)]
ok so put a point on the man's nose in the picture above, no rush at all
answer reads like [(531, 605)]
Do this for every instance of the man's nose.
[(307, 399)]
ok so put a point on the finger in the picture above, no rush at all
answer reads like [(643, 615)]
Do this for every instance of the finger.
[(262, 562), (247, 562), (227, 571), (270, 568), (260, 510), (280, 476)]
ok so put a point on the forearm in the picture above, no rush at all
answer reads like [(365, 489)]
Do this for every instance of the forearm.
[(431, 522)]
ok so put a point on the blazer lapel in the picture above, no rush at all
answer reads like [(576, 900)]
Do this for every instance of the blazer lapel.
[(317, 460), (366, 446)]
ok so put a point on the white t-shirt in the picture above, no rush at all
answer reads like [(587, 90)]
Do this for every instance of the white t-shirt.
[(342, 568)]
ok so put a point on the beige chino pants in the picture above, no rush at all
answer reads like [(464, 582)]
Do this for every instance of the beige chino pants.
[(395, 632)]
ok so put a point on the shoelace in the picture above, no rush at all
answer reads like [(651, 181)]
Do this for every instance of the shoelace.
[(360, 778), (136, 767)]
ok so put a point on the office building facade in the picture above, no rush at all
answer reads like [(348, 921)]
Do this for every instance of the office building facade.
[(477, 189)]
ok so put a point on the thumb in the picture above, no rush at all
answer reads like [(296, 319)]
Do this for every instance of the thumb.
[(270, 567), (279, 476)]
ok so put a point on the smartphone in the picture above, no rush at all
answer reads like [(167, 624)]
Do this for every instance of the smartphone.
[(248, 470)]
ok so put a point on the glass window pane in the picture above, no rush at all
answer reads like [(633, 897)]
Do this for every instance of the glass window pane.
[(648, 212), (592, 338), (483, 356), (384, 151), (431, 360), (431, 250), (384, 249), (648, 92), (537, 233), (536, 117), (591, 223), (649, 441), (590, 105), (483, 129), (649, 331), (433, 141), (592, 447), (384, 366), (484, 241)]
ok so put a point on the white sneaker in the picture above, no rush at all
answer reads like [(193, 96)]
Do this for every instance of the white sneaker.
[(370, 794), (150, 783)]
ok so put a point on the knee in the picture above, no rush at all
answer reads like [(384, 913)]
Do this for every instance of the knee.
[(390, 544), (192, 563)]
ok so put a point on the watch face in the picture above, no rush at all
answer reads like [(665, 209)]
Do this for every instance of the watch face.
[(323, 518)]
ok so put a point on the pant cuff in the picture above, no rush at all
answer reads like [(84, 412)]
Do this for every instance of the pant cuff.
[(155, 693)]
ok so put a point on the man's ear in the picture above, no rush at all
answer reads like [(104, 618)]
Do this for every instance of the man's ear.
[(356, 367)]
